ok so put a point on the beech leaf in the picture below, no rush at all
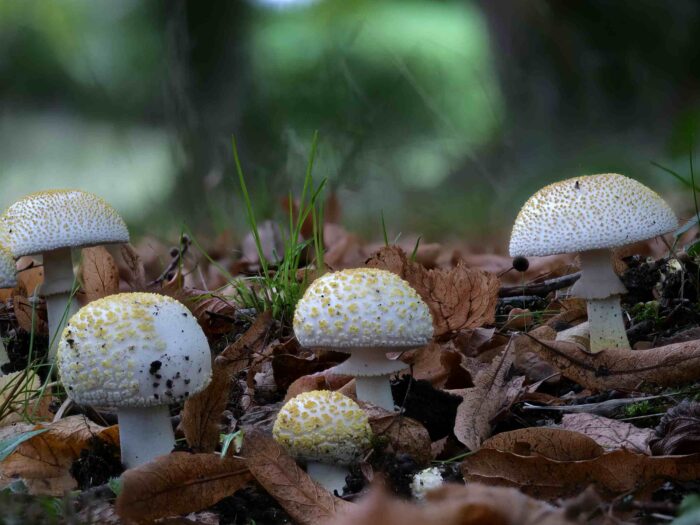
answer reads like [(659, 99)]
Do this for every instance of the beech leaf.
[(609, 433), (99, 273), (405, 435), (307, 502), (179, 483)]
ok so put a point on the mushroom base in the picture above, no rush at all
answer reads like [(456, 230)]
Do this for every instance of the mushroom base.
[(607, 328), (144, 434), (331, 477)]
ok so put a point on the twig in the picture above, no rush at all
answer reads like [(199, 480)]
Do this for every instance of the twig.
[(177, 254), (542, 288)]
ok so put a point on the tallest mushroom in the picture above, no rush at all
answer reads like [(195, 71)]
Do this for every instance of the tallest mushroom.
[(590, 216), (52, 223)]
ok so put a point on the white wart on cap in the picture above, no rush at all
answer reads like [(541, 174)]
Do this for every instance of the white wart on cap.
[(133, 349), (588, 213), (362, 307), (325, 429), (50, 220)]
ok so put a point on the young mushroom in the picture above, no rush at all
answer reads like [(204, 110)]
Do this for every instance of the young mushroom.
[(51, 223), (364, 312), (591, 215), (325, 429), (138, 353)]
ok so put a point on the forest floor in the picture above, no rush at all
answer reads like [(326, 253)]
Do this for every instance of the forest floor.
[(505, 398)]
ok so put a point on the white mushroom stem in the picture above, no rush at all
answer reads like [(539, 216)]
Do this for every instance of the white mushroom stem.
[(144, 434), (57, 288), (331, 477), (375, 390), (371, 369), (601, 287)]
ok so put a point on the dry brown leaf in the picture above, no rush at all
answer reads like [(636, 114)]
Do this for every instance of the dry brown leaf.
[(482, 403), (132, 270), (307, 502), (201, 415), (214, 313), (30, 278), (99, 273), (440, 364), (552, 443), (453, 504), (678, 432), (44, 460), (619, 368), (612, 473), (610, 434), (179, 483), (459, 298), (405, 435)]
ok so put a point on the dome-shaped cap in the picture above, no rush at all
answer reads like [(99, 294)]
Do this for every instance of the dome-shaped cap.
[(133, 350), (49, 220), (362, 307), (588, 213), (323, 426)]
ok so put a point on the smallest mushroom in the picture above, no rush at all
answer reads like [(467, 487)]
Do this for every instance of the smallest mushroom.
[(325, 429)]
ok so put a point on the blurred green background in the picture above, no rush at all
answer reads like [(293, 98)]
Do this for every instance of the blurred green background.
[(443, 115)]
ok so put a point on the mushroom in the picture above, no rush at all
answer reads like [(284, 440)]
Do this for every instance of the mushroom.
[(8, 279), (424, 481), (364, 312), (591, 215), (52, 223), (325, 429), (138, 353)]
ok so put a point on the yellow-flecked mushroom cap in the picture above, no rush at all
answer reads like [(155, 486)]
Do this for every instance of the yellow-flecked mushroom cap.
[(588, 213), (362, 307), (8, 275), (49, 220), (323, 426), (133, 350)]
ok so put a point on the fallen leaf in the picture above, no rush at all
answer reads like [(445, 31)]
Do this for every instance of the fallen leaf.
[(482, 403), (132, 270), (320, 381), (453, 504), (619, 368), (612, 473), (179, 483), (30, 315), (30, 277), (609, 433), (99, 273), (201, 415), (18, 392), (678, 432), (307, 502), (44, 461), (459, 298), (405, 435)]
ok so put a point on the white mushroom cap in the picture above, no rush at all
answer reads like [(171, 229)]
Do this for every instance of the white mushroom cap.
[(8, 275), (323, 426), (424, 481), (588, 213), (362, 307), (49, 220), (133, 350)]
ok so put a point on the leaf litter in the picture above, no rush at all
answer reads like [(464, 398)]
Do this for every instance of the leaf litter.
[(507, 359)]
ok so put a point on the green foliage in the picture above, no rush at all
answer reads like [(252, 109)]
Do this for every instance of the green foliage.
[(279, 289), (689, 511), (638, 409), (646, 311)]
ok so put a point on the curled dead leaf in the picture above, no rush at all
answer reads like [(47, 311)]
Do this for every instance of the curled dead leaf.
[(405, 435), (609, 433), (678, 432), (619, 368), (307, 502), (179, 483)]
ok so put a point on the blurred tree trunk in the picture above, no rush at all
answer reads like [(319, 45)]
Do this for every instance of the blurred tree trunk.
[(206, 68)]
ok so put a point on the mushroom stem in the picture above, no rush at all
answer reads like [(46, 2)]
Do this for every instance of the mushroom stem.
[(375, 390), (601, 287), (144, 433), (331, 477), (57, 288)]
